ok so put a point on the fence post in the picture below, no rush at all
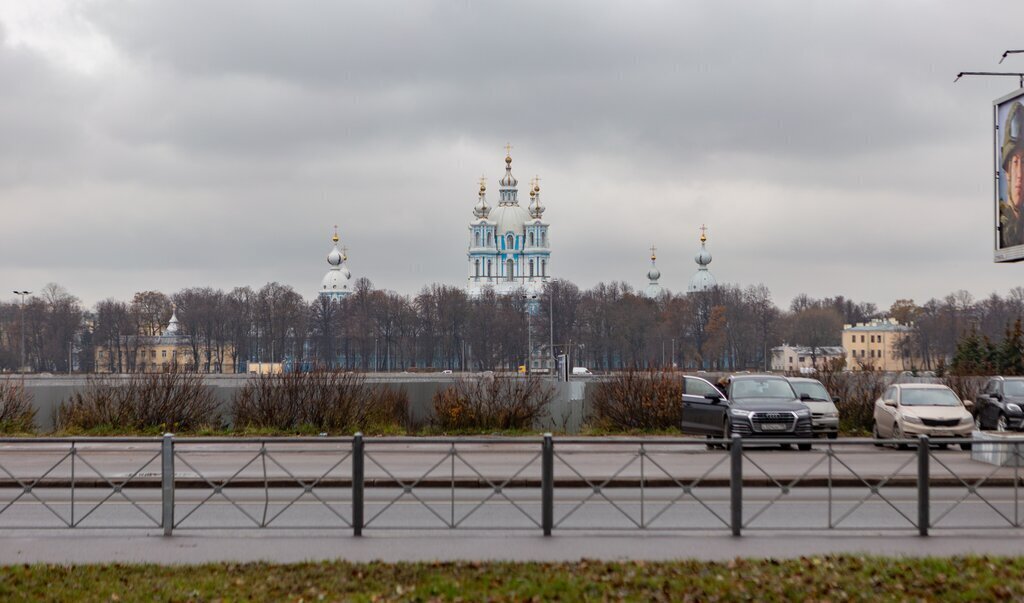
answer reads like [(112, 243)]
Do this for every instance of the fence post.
[(547, 484), (167, 482), (923, 502), (357, 484), (736, 484)]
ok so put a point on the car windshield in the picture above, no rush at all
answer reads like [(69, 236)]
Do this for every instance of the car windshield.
[(1013, 388), (761, 388), (928, 397), (812, 388)]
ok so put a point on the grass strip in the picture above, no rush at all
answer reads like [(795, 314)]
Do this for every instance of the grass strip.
[(832, 578)]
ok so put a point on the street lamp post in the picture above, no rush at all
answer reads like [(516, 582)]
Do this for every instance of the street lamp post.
[(22, 294)]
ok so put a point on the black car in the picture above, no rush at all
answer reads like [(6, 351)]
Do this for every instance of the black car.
[(998, 406), (754, 406)]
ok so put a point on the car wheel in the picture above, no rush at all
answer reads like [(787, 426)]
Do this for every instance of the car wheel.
[(727, 434), (978, 426), (897, 434), (786, 446), (833, 435), (942, 446), (804, 447), (965, 446), (1001, 424), (710, 444), (875, 434)]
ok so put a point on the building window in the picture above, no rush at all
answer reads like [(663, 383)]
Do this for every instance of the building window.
[(476, 268), (802, 358), (791, 360), (489, 243), (862, 339), (163, 353), (488, 268), (510, 269), (531, 238), (510, 242), (531, 268), (543, 267)]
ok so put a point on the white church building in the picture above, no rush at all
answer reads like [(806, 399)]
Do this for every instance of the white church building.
[(509, 247)]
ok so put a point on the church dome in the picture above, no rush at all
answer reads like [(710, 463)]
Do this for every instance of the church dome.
[(335, 283), (703, 279), (510, 218), (336, 280)]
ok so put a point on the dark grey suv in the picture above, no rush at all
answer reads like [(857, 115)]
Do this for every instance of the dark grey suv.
[(999, 405), (754, 406)]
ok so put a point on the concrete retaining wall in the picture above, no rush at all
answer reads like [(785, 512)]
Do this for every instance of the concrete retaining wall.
[(568, 410)]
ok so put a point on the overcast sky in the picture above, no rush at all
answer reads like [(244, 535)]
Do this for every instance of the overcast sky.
[(162, 145)]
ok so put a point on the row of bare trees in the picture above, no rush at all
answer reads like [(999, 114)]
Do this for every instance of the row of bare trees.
[(607, 327)]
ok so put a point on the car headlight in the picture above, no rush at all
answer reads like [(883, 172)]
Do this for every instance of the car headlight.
[(1014, 408), (739, 412), (912, 419), (803, 413), (968, 420), (831, 415)]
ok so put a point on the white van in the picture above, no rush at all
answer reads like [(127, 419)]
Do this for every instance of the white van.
[(581, 370)]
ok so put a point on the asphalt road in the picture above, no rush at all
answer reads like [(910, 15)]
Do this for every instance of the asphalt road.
[(617, 462), (407, 531), (614, 498)]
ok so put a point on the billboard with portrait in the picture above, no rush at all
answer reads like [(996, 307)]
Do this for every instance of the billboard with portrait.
[(1008, 113)]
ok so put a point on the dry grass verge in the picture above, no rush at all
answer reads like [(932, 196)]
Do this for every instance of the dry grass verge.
[(172, 401), (320, 401), (17, 415), (638, 401), (492, 402)]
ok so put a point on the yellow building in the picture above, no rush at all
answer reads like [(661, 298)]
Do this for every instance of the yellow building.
[(880, 345), (162, 353)]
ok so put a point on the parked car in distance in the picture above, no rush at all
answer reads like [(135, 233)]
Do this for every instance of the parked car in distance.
[(908, 410), (581, 370), (998, 406), (754, 406), (824, 414)]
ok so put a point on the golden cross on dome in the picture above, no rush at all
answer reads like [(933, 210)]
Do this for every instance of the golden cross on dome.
[(536, 182), (483, 182), (335, 237), (653, 250), (344, 252), (508, 149), (703, 233)]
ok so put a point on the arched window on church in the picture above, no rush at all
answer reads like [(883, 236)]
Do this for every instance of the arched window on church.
[(543, 238), (479, 238), (543, 267), (476, 269), (531, 238), (510, 242), (510, 270), (490, 242), (531, 268), (488, 268)]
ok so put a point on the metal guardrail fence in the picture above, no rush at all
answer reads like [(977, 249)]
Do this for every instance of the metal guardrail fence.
[(541, 484)]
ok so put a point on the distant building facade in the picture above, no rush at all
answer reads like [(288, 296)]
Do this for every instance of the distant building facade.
[(509, 248), (879, 344), (803, 359), (167, 351)]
